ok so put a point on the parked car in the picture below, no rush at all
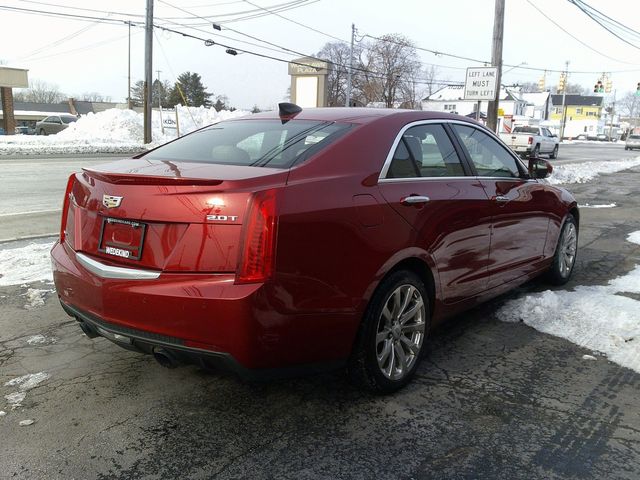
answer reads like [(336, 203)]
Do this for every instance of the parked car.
[(303, 240), (54, 124), (532, 141), (24, 130), (632, 142)]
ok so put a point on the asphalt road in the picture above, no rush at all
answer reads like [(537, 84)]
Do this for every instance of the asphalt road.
[(32, 191), (492, 400)]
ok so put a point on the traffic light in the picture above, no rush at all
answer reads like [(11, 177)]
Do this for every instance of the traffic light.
[(598, 87), (608, 86), (561, 82), (541, 84), (638, 90)]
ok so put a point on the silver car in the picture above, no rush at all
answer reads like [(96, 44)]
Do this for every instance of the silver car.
[(54, 124), (633, 141)]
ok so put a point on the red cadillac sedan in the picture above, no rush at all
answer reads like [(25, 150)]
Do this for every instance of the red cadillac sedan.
[(307, 239)]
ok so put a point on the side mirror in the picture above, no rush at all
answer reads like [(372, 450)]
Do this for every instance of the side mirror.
[(539, 168)]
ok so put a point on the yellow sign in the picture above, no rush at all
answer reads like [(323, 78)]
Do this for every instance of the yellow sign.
[(500, 112)]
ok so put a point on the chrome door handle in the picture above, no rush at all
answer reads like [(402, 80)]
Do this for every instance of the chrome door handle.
[(501, 198), (414, 200)]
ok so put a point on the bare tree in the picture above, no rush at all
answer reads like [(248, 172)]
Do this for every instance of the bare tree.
[(529, 87), (337, 54), (573, 89), (432, 83), (629, 105), (389, 72), (40, 92)]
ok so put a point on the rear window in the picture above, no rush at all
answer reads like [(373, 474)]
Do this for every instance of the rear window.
[(258, 143), (533, 130), (634, 137), (68, 119)]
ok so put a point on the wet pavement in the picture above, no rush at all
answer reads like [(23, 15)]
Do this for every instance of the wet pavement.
[(491, 400)]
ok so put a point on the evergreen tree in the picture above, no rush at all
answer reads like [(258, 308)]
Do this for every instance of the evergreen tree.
[(189, 87)]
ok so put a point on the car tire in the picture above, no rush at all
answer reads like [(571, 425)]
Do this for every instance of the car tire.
[(626, 148), (554, 154), (388, 349), (564, 258), (535, 153)]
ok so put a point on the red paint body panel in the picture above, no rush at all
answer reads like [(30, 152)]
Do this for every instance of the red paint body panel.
[(339, 232)]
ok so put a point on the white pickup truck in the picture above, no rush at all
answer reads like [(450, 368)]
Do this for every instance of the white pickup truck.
[(532, 141)]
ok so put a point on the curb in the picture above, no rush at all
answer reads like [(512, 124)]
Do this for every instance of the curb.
[(28, 237)]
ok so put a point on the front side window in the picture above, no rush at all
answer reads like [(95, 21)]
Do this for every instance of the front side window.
[(425, 151), (260, 143), (487, 155)]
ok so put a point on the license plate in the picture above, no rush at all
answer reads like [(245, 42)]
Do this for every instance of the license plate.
[(122, 238)]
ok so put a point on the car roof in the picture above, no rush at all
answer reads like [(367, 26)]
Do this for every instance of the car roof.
[(362, 115)]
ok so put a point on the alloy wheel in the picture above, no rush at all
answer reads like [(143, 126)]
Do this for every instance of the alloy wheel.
[(568, 247), (400, 332)]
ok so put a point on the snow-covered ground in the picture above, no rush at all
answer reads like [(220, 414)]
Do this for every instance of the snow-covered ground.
[(600, 318), (114, 131), (583, 172), (26, 264)]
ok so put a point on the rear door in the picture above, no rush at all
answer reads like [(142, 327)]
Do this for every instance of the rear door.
[(426, 182), (520, 207)]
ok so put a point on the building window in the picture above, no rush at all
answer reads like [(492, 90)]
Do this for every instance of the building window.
[(558, 110), (591, 114), (578, 111), (449, 107)]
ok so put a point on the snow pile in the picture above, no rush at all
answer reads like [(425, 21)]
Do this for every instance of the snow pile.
[(587, 171), (40, 340), (36, 298), (29, 381), (608, 205), (115, 131), (599, 318), (15, 399), (27, 264)]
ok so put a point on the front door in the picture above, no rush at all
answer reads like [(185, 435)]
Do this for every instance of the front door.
[(430, 187), (520, 217)]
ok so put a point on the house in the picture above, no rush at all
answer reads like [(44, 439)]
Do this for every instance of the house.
[(583, 114), (538, 105), (450, 99)]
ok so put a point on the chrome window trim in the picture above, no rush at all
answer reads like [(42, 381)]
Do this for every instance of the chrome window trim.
[(108, 271), (387, 162)]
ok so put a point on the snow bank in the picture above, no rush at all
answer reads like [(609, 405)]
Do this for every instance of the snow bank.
[(27, 264), (586, 171), (114, 131), (599, 318)]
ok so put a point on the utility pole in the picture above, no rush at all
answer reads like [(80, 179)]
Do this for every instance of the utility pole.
[(613, 112), (148, 71), (347, 102), (159, 88), (564, 99), (129, 71), (496, 61)]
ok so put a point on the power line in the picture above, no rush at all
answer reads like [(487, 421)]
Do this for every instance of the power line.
[(297, 23), (604, 20), (574, 37)]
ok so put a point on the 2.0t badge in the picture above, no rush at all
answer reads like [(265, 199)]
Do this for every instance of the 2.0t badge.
[(111, 201)]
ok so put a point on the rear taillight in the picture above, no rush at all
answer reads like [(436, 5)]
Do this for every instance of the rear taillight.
[(65, 206), (257, 255), (530, 140)]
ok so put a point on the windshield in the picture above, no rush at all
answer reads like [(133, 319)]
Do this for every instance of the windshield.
[(252, 143), (68, 119), (634, 137)]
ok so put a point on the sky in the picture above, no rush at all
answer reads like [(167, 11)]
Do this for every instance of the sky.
[(85, 56)]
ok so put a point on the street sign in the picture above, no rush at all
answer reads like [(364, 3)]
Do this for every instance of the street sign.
[(480, 83)]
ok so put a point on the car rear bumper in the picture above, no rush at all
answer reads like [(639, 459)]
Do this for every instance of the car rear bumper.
[(199, 318)]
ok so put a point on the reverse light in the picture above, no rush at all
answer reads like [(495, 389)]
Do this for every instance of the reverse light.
[(65, 206), (257, 255)]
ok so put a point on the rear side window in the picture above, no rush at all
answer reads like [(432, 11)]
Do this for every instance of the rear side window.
[(533, 130), (68, 120), (425, 151), (262, 143), (487, 155)]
